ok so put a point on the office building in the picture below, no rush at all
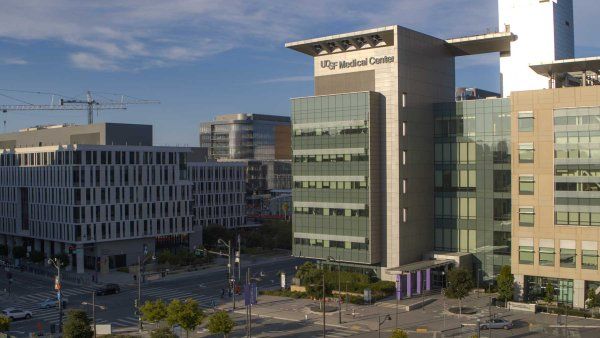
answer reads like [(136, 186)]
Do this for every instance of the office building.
[(247, 136), (510, 180), (262, 142), (106, 204)]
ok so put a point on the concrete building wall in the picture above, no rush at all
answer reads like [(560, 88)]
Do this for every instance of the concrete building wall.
[(544, 32), (95, 134), (545, 232)]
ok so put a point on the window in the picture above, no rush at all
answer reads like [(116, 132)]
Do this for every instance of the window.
[(403, 100), (589, 259), (526, 216), (526, 184), (546, 256), (525, 121), (567, 258), (502, 207), (403, 128), (526, 255), (502, 180), (404, 215), (404, 186), (525, 152), (403, 156)]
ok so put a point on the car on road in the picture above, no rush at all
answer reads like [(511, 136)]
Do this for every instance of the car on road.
[(13, 313), (52, 302), (108, 289), (496, 323)]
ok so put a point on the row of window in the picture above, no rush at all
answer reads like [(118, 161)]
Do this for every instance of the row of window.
[(573, 186), (331, 185), (577, 137), (567, 257), (577, 153), (331, 244), (577, 171), (452, 207), (88, 157), (577, 218), (331, 212), (331, 131), (576, 120), (331, 158), (464, 152), (455, 180)]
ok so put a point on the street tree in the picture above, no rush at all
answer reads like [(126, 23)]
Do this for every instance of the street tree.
[(460, 284), (506, 282), (592, 300), (549, 295), (186, 314), (154, 311), (77, 325), (220, 322), (397, 333), (4, 323), (164, 332)]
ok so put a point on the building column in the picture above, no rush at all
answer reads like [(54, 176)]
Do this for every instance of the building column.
[(409, 285), (519, 287), (398, 287), (428, 279), (47, 249), (37, 245), (579, 293), (79, 258), (419, 281), (57, 248), (10, 245), (69, 266)]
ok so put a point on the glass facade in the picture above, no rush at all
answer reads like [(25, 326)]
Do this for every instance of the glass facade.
[(473, 183), (577, 166), (331, 144)]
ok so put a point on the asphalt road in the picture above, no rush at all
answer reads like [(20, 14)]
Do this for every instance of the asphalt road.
[(28, 291)]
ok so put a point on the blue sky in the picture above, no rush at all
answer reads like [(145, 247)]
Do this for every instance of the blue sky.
[(203, 57)]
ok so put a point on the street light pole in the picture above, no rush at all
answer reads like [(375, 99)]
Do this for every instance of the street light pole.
[(324, 303), (380, 322), (139, 295), (339, 287), (57, 286), (94, 311)]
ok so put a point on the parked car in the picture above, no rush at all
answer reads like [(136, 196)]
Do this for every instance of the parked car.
[(53, 302), (497, 323), (16, 313), (108, 289)]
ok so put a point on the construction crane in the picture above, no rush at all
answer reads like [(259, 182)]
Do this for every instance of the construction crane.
[(89, 104)]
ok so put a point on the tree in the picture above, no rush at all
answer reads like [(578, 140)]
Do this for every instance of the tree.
[(592, 300), (397, 333), (19, 252), (460, 284), (186, 314), (154, 311), (506, 282), (220, 322), (77, 325), (4, 323), (549, 296)]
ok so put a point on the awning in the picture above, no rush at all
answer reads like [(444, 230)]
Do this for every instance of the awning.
[(421, 265)]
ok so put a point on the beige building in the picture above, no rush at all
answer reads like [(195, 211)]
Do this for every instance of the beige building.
[(556, 190)]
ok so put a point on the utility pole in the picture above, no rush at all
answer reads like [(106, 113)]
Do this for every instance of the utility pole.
[(94, 311), (57, 286), (139, 295), (323, 303), (248, 306)]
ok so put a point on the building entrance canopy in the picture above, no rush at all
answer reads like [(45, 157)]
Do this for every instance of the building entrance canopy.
[(420, 266)]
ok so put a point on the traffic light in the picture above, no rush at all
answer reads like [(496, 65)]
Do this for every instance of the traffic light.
[(135, 303)]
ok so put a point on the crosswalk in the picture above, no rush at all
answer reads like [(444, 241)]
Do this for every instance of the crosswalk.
[(168, 294)]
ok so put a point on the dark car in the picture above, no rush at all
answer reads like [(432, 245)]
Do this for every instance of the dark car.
[(108, 289)]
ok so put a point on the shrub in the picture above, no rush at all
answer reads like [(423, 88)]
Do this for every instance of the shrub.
[(77, 325), (164, 332)]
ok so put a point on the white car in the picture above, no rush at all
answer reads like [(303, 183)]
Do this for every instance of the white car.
[(16, 313)]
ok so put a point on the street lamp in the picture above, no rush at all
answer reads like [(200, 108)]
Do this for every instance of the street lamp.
[(329, 258), (387, 317), (93, 304), (230, 276), (57, 286), (139, 280)]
